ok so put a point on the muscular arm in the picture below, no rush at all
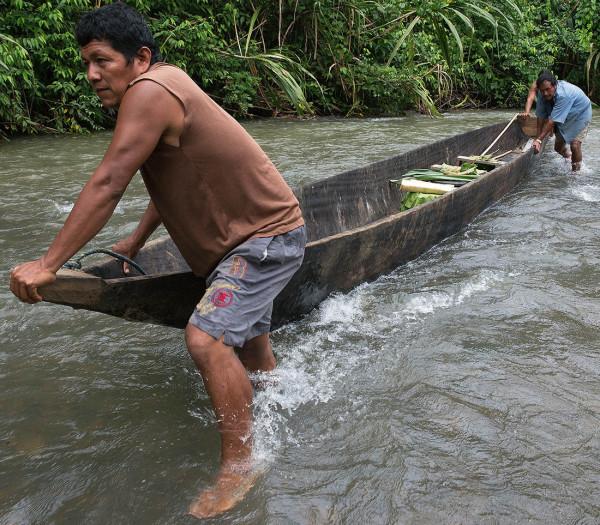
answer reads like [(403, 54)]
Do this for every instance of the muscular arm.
[(148, 223), (530, 98), (545, 128), (147, 113), (131, 245)]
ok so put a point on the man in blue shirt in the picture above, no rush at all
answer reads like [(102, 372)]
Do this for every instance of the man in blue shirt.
[(564, 108)]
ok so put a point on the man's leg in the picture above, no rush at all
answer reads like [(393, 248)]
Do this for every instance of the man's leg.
[(238, 304), (577, 155), (257, 354), (230, 391), (560, 147)]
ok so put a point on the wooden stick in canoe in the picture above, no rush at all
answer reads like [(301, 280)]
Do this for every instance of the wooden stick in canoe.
[(503, 154), (501, 133)]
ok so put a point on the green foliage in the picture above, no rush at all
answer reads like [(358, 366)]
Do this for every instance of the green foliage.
[(384, 89), (17, 82), (413, 199), (450, 22), (307, 56), (500, 75), (42, 87), (587, 24)]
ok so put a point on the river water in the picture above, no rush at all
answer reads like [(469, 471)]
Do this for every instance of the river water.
[(462, 388)]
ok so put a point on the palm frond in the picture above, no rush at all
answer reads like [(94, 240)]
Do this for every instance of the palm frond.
[(591, 65), (467, 21), (454, 32), (424, 97), (509, 25), (406, 32), (250, 31), (273, 64), (482, 13)]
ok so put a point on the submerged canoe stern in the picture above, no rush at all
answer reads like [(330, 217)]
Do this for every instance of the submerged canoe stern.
[(167, 299)]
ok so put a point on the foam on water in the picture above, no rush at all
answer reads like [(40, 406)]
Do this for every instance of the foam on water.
[(587, 192), (585, 169), (558, 163), (317, 362), (290, 386), (563, 165), (341, 308), (65, 208), (428, 302), (311, 369)]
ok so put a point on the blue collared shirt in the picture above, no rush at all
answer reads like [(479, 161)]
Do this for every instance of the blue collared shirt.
[(570, 109)]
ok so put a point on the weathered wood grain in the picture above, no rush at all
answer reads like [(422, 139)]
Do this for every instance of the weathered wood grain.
[(355, 233)]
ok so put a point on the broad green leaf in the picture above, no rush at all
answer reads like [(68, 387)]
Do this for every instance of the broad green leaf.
[(464, 18), (406, 32), (454, 33)]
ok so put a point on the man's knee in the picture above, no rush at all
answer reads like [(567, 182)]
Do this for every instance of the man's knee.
[(257, 355), (204, 349)]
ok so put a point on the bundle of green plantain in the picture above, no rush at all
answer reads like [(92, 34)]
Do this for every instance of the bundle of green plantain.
[(413, 199), (485, 158), (456, 179), (465, 169), (443, 174)]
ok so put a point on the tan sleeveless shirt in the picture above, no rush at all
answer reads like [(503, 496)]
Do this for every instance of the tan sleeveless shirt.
[(218, 188)]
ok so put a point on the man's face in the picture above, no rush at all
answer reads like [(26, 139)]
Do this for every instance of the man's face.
[(547, 90), (108, 71)]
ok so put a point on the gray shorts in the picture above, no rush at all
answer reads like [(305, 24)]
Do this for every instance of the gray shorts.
[(238, 301), (580, 136)]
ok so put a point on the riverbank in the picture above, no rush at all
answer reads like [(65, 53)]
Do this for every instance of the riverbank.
[(351, 59)]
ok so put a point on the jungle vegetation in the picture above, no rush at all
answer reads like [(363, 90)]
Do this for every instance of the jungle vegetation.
[(307, 57)]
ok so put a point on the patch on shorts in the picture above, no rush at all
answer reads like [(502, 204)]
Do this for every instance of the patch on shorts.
[(221, 297), (218, 295), (239, 265)]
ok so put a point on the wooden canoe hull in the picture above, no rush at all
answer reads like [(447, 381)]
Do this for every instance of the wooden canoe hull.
[(342, 261), (355, 235)]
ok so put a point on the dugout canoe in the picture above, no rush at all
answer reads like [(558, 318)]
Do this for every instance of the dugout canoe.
[(355, 234)]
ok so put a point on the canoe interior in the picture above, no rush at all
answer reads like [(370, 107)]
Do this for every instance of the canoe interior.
[(343, 202), (355, 233)]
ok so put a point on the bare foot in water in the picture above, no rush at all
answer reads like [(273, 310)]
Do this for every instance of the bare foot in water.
[(231, 486)]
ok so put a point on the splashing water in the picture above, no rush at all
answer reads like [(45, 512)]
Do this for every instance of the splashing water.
[(587, 192), (314, 366), (458, 389)]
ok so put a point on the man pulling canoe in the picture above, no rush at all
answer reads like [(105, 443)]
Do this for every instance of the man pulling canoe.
[(564, 108), (225, 205)]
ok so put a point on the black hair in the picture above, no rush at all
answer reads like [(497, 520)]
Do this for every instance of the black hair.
[(119, 24), (545, 75)]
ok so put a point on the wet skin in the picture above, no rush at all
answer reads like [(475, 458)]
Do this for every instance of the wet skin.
[(222, 369), (147, 115)]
